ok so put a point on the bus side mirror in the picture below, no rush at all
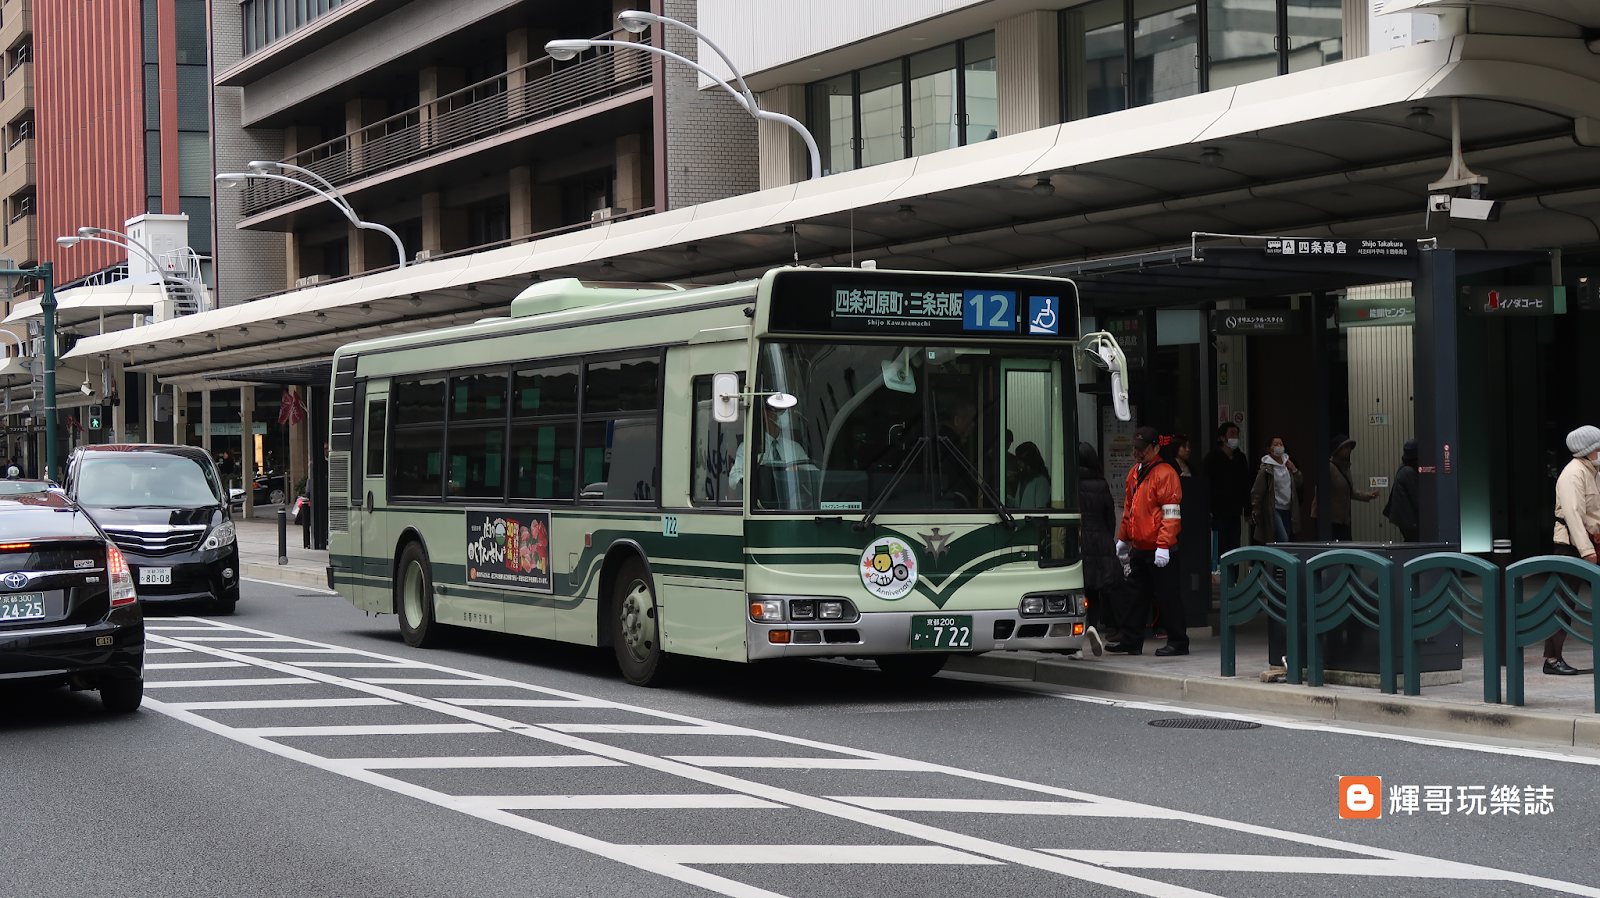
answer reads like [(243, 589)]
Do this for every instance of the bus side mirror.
[(725, 398)]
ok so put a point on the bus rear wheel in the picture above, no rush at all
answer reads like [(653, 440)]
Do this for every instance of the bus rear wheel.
[(413, 598), (636, 626), (907, 668)]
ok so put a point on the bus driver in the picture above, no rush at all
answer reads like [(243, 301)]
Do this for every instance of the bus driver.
[(778, 450)]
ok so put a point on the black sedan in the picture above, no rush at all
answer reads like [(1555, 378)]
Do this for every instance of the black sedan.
[(163, 506), (69, 615)]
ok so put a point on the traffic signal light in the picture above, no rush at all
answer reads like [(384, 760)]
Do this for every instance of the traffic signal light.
[(96, 417)]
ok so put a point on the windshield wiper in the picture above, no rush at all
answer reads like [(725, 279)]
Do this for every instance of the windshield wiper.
[(1006, 518), (888, 488)]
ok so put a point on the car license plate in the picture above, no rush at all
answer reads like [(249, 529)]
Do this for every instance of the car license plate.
[(941, 632), (26, 606), (155, 576)]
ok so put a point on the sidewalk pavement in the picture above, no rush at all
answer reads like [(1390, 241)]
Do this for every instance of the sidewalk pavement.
[(1558, 710), (258, 552)]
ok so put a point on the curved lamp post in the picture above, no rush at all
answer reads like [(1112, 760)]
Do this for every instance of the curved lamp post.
[(268, 171), (636, 21)]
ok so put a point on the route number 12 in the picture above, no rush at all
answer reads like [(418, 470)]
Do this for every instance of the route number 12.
[(989, 310)]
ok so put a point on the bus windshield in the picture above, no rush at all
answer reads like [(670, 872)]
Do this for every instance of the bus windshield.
[(910, 428)]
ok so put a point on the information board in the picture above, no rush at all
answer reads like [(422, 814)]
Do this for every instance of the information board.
[(833, 301)]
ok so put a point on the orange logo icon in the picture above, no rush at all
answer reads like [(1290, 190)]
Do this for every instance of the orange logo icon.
[(1360, 797)]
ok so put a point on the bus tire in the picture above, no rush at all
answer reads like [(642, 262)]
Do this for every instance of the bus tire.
[(636, 625), (907, 668), (413, 598)]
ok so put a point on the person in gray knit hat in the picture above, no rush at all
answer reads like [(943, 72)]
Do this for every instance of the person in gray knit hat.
[(1577, 524)]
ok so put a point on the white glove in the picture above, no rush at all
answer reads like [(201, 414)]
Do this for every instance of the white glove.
[(1123, 551), (1162, 557)]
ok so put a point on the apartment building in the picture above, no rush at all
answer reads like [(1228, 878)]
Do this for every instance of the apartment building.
[(19, 197), (448, 123), (1115, 141)]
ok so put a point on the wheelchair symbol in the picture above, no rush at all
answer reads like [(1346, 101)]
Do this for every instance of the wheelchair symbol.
[(1044, 319)]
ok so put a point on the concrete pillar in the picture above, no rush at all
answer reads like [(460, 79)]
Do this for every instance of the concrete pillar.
[(295, 139), (356, 242), (784, 159), (180, 416), (205, 420), (247, 447), (1355, 42), (360, 112), (517, 51), (432, 223), (147, 427), (299, 459), (630, 173), (1028, 82), (291, 260), (521, 180), (434, 82)]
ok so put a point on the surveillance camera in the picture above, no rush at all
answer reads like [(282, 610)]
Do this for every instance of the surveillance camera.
[(1439, 202), (1475, 210)]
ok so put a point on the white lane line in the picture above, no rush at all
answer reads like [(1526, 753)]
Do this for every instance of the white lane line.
[(624, 854), (193, 665), (641, 729), (1003, 806), (173, 628), (236, 639), (422, 681), (812, 854), (150, 651), (725, 800), (522, 703), (838, 809), (902, 764), (483, 763), (392, 663), (242, 681), (908, 828), (1269, 863), (1287, 724), (283, 703), (358, 729), (248, 650)]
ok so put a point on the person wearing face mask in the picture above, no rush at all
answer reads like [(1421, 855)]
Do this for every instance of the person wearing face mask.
[(1229, 474), (1577, 525), (1275, 498), (1152, 519)]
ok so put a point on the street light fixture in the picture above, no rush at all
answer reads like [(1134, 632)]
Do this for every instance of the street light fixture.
[(636, 21), (271, 171)]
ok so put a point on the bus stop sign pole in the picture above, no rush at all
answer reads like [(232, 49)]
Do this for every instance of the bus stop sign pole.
[(45, 275)]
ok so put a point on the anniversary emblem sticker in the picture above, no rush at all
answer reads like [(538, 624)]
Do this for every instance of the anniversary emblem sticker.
[(888, 568)]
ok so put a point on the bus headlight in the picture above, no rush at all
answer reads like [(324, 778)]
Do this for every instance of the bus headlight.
[(1064, 602), (1032, 605), (830, 610), (766, 610)]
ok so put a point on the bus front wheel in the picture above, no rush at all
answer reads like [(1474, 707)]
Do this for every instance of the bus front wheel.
[(636, 626), (911, 667), (414, 598)]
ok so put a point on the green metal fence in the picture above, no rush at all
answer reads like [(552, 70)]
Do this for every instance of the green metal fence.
[(1336, 591), (1250, 587), (1426, 611), (1558, 605)]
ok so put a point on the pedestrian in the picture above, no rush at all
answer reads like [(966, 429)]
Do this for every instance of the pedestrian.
[(1175, 451), (1577, 527), (1229, 474), (1102, 572), (1152, 518), (1344, 488), (1275, 497), (1404, 509)]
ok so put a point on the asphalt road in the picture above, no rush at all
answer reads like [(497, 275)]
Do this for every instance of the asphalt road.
[(299, 748)]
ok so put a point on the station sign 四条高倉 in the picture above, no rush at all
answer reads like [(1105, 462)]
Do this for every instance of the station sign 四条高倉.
[(1313, 248)]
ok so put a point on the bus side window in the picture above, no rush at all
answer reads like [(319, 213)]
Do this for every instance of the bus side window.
[(716, 468)]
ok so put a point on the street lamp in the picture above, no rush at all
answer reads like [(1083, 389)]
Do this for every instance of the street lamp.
[(636, 21), (115, 238), (269, 171)]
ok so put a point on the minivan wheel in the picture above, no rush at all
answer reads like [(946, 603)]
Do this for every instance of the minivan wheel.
[(413, 599)]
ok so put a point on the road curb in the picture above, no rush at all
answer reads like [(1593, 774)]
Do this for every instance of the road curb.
[(1400, 711), (283, 574)]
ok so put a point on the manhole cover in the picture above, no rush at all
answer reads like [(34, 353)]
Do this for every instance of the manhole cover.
[(1204, 723)]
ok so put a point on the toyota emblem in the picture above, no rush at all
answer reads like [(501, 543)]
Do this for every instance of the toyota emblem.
[(16, 580)]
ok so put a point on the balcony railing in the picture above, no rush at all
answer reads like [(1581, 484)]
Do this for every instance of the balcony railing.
[(534, 92)]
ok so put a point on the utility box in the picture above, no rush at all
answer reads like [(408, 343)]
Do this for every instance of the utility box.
[(160, 234)]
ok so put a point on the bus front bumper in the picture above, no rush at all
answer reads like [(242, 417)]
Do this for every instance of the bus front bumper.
[(889, 633)]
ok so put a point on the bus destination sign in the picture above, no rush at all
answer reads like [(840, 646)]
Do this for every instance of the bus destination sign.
[(908, 303)]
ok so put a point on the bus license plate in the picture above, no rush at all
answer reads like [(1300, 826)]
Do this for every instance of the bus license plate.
[(27, 606), (155, 576), (941, 632)]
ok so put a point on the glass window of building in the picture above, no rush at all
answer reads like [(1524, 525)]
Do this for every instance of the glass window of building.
[(1122, 53), (940, 98)]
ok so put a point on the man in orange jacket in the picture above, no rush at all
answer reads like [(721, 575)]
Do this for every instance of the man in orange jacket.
[(1146, 543)]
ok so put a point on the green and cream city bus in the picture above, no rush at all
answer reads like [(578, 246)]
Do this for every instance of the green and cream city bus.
[(823, 463)]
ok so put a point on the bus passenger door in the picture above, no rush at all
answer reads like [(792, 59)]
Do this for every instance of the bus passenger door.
[(376, 562)]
